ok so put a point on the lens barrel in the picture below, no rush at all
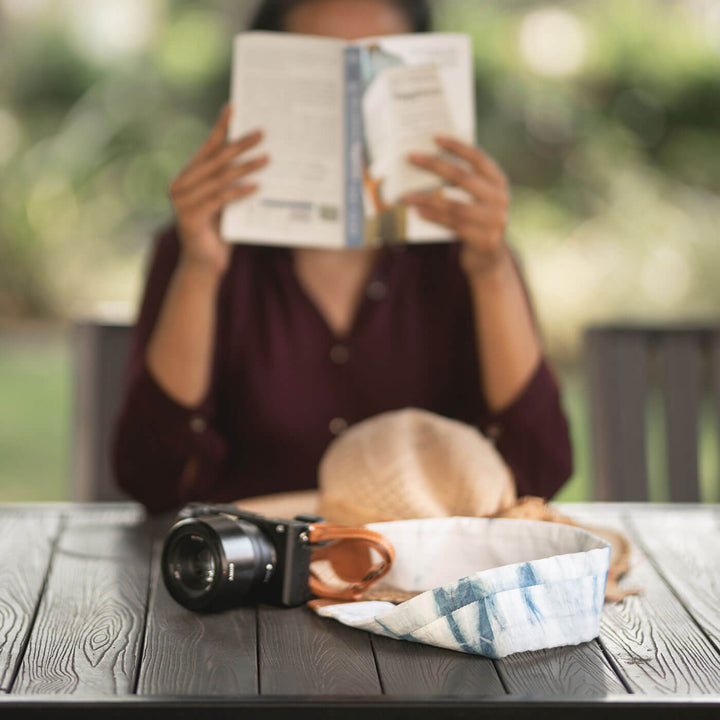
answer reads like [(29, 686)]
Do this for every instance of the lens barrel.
[(218, 561)]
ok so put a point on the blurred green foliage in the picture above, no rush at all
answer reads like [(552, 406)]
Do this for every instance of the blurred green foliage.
[(605, 116), (34, 430)]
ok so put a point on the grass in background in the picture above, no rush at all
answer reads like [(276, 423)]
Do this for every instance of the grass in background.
[(574, 396), (709, 461), (35, 412)]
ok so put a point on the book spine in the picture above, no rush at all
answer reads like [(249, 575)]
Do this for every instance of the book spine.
[(354, 212)]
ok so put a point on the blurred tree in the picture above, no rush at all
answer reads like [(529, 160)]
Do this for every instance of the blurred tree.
[(605, 115)]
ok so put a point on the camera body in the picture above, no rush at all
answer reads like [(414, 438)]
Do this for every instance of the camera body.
[(217, 556)]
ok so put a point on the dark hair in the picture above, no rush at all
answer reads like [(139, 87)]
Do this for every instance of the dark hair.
[(271, 14)]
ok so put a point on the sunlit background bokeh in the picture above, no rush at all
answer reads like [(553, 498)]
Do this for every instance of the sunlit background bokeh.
[(605, 114)]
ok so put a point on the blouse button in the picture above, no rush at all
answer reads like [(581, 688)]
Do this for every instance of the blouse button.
[(198, 424), (493, 432), (377, 290), (339, 354), (337, 425)]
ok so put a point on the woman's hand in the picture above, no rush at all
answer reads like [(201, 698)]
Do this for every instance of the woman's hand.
[(480, 223), (210, 180)]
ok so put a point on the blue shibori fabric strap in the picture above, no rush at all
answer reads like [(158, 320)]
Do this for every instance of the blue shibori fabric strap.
[(539, 603)]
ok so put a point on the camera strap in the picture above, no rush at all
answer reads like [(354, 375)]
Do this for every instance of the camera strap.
[(347, 550)]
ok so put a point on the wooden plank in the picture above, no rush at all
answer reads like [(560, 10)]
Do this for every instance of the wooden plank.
[(685, 548), (126, 511), (303, 654), (189, 653), (715, 382), (123, 514), (596, 359), (633, 508), (573, 671), (26, 544), (657, 646), (89, 626), (407, 668), (100, 358), (681, 366), (617, 362)]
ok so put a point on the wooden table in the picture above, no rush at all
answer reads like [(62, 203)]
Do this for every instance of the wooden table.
[(86, 625)]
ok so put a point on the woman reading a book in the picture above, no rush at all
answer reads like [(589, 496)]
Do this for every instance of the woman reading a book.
[(247, 361)]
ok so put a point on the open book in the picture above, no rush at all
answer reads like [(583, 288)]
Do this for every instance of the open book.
[(339, 120)]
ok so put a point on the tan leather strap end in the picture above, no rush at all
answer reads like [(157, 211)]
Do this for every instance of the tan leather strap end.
[(347, 549)]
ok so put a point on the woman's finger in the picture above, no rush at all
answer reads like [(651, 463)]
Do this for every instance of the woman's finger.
[(478, 159), (212, 164), (478, 186), (479, 213), (210, 186), (216, 138), (214, 204), (453, 214), (200, 214), (494, 199), (440, 216), (478, 234)]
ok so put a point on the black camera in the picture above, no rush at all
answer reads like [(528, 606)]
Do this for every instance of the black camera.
[(216, 557)]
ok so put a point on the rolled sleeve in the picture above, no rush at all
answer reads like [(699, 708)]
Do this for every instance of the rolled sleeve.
[(165, 454), (532, 435)]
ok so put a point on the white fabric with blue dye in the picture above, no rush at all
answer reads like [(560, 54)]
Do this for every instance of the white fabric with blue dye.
[(488, 586)]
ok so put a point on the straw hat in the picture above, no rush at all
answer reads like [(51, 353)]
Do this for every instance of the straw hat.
[(409, 464)]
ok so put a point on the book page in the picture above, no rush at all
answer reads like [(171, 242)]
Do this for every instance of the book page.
[(292, 87), (402, 110), (416, 86)]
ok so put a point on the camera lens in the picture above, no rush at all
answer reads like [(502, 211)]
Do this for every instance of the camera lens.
[(194, 561), (216, 561)]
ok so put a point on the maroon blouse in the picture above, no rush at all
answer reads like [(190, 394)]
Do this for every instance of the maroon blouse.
[(284, 384)]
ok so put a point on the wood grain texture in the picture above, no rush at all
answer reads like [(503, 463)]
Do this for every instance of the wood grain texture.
[(407, 668), (189, 653), (682, 380), (25, 546), (89, 626), (658, 646), (99, 360), (303, 654), (617, 367), (714, 359), (685, 548), (124, 514), (577, 671)]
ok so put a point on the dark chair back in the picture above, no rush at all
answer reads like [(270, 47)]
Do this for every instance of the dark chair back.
[(676, 369), (100, 357)]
